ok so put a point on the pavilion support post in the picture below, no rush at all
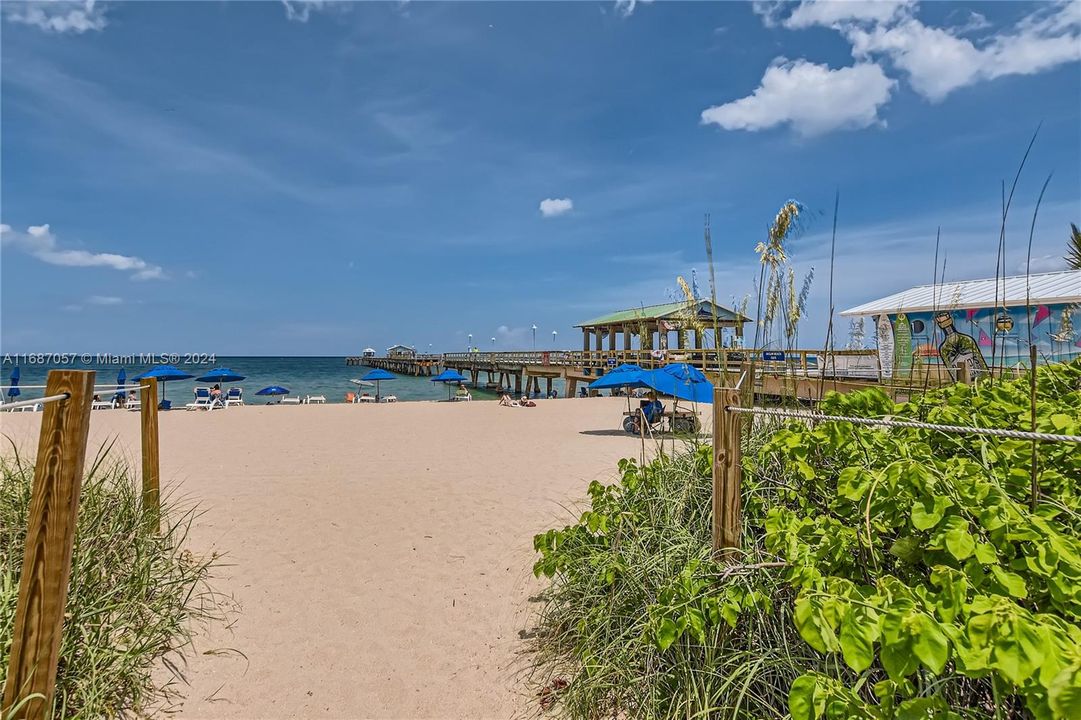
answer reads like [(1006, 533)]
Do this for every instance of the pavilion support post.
[(626, 339)]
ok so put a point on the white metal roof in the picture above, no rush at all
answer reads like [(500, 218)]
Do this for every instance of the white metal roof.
[(1041, 288)]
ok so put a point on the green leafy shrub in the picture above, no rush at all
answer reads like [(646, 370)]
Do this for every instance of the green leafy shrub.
[(887, 573), (134, 593), (919, 563)]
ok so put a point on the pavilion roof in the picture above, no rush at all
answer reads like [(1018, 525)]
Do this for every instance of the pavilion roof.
[(666, 311)]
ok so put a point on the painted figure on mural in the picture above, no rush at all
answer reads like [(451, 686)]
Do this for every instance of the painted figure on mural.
[(902, 346), (957, 347)]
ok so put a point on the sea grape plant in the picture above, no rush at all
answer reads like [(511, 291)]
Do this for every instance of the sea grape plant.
[(918, 562)]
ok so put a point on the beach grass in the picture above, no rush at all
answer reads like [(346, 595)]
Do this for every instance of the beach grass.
[(136, 596), (602, 646)]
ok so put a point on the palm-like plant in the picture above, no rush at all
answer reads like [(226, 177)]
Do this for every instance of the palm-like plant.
[(1073, 252)]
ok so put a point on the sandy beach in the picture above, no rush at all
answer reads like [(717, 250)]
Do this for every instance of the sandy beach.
[(381, 555)]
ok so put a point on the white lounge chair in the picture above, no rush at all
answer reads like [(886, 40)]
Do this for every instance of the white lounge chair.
[(390, 398), (101, 405), (235, 396), (203, 400), (291, 400), (366, 399), (316, 399)]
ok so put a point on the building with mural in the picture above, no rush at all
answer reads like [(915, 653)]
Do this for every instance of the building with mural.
[(977, 321)]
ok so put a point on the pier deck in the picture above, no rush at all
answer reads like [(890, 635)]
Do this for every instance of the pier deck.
[(805, 374)]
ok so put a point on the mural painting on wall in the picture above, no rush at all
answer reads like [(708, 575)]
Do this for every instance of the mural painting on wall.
[(947, 337), (957, 347)]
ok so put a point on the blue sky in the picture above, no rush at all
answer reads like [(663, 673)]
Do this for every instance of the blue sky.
[(311, 178)]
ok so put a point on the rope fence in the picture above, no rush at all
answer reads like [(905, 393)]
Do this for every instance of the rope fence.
[(104, 386), (884, 422), (35, 401)]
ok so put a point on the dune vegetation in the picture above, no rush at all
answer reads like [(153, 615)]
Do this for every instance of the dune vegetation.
[(884, 573), (136, 594)]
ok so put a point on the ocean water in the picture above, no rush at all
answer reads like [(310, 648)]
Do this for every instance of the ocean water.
[(328, 376)]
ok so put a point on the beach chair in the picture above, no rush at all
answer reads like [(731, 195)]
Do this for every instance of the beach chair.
[(316, 399), (202, 400), (390, 398), (366, 399), (101, 405), (235, 396), (291, 400)]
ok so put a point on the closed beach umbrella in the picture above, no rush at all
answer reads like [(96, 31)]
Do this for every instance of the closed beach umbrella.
[(164, 373), (447, 377), (682, 381), (121, 381), (273, 390), (14, 391), (377, 374)]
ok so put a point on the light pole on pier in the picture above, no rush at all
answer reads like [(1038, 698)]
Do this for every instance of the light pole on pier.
[(554, 333), (534, 337), (493, 344), (470, 348)]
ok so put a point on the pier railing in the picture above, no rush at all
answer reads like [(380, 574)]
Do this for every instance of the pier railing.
[(850, 363)]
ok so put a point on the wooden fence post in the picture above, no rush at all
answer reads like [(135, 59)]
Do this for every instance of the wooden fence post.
[(148, 414), (727, 472), (50, 536)]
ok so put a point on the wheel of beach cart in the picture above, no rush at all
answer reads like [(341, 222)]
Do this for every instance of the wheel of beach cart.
[(687, 424), (630, 425)]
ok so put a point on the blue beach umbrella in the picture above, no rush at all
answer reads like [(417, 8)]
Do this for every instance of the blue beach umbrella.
[(14, 391), (623, 376), (682, 381), (377, 374), (220, 375), (449, 377), (164, 373), (273, 390)]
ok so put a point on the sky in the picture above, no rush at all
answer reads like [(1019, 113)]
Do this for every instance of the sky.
[(311, 178)]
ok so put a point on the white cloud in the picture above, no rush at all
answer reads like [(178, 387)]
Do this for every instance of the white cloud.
[(1043, 263), (626, 8), (551, 207), (812, 98), (104, 300), (810, 12), (938, 60), (40, 243), (301, 10), (58, 16)]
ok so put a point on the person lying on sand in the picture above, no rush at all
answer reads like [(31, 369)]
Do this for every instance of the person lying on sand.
[(505, 401), (526, 402)]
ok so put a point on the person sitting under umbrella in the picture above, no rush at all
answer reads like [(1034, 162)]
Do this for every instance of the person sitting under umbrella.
[(653, 409)]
